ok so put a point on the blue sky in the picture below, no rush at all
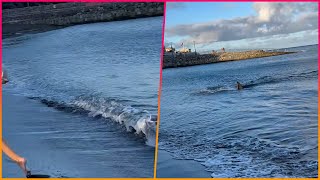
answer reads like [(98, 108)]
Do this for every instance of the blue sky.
[(194, 12), (241, 25)]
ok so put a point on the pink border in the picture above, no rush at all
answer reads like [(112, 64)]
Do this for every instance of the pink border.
[(159, 92), (162, 50), (159, 1)]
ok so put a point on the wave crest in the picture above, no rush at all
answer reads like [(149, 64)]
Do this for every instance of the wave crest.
[(141, 122)]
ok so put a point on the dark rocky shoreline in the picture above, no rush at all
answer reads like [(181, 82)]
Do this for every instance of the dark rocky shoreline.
[(173, 60), (47, 17)]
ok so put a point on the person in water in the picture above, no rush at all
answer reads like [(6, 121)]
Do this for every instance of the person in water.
[(21, 162), (239, 86)]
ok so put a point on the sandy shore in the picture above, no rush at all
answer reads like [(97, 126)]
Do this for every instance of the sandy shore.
[(68, 145), (21, 129), (171, 168)]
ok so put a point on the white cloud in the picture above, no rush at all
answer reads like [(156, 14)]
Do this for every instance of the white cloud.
[(270, 19), (269, 42)]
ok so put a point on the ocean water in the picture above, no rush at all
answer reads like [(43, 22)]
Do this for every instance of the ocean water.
[(104, 71), (268, 129)]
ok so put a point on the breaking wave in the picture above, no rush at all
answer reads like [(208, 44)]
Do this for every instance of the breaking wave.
[(141, 122)]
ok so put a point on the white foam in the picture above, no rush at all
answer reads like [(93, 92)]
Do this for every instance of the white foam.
[(240, 156), (133, 119)]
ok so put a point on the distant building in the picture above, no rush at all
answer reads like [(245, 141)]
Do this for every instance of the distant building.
[(184, 50), (170, 49)]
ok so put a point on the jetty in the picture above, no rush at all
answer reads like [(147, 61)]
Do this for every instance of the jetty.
[(173, 60)]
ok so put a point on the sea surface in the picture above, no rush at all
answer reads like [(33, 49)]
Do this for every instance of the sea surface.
[(268, 129), (106, 72)]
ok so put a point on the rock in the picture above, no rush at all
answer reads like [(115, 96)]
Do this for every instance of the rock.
[(67, 14)]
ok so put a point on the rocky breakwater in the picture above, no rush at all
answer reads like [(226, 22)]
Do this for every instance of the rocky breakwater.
[(171, 60), (66, 14)]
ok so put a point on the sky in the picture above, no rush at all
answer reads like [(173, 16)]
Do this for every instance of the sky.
[(242, 25)]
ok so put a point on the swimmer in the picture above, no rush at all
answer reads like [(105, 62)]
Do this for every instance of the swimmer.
[(239, 86)]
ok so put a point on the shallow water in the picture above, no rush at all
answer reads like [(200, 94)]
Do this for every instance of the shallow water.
[(268, 129), (106, 71)]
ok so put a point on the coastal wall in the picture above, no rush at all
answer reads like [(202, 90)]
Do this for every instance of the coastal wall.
[(171, 60), (52, 16), (77, 13)]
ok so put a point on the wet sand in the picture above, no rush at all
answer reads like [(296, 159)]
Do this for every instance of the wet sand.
[(171, 168)]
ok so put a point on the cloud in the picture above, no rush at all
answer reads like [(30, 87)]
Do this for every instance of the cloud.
[(270, 19), (266, 42), (175, 5)]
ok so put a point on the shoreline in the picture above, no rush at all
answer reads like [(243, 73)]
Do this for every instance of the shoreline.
[(11, 31), (16, 30), (42, 18)]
